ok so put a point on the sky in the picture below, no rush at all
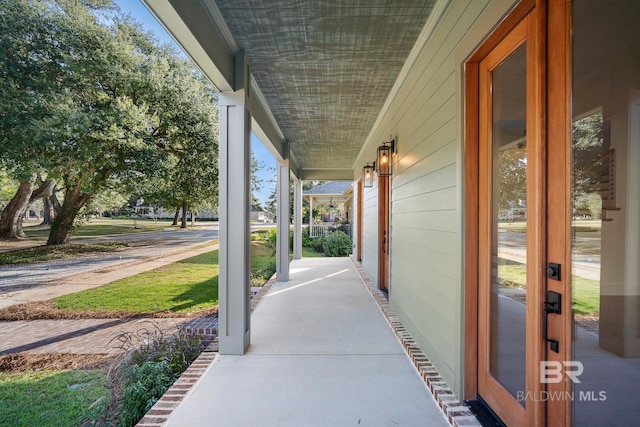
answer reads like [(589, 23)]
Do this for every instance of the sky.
[(140, 13)]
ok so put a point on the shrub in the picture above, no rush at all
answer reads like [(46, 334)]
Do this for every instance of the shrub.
[(317, 244), (153, 362), (306, 240), (144, 385), (271, 238), (337, 244)]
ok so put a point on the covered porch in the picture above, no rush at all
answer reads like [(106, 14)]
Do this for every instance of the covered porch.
[(330, 208), (313, 81), (325, 350)]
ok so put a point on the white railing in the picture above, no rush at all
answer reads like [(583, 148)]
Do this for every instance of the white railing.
[(321, 230)]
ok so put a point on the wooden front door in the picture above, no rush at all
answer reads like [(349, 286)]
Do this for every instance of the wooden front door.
[(552, 215), (383, 232), (508, 118)]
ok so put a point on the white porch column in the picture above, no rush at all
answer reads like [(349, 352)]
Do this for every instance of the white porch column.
[(297, 219), (235, 223), (282, 235), (310, 216)]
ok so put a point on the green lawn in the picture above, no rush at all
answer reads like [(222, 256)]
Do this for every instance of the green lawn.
[(47, 253), (512, 274), (586, 296), (586, 292), (310, 253), (52, 398), (101, 227), (187, 286)]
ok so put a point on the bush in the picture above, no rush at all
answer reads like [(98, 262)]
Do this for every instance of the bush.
[(337, 244), (145, 384), (272, 237), (306, 240), (154, 361), (317, 244)]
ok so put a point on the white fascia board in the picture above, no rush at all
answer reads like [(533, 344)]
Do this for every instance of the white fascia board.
[(209, 43), (213, 57)]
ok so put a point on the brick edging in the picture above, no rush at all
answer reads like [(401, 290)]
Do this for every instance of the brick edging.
[(162, 410), (456, 412)]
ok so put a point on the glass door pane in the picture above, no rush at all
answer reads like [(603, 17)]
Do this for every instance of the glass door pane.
[(606, 211), (509, 222)]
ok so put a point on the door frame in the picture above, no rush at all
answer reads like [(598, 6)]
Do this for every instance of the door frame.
[(359, 221), (384, 187), (537, 86), (559, 175)]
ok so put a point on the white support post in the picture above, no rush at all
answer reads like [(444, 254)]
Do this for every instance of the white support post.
[(235, 223), (282, 232), (297, 219)]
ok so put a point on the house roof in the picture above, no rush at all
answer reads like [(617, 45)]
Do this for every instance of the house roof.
[(330, 188)]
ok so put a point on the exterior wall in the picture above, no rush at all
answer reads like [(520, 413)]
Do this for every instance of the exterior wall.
[(426, 209), (425, 215), (370, 232), (427, 228)]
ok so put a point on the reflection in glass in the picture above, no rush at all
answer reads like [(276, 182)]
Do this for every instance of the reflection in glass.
[(509, 222), (606, 211)]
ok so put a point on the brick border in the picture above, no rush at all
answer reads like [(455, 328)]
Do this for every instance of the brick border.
[(456, 412), (162, 410)]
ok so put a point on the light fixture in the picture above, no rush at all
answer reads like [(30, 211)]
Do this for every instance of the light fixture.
[(384, 160), (331, 203), (367, 175)]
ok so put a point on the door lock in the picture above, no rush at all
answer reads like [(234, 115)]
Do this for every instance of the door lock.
[(553, 305), (553, 271)]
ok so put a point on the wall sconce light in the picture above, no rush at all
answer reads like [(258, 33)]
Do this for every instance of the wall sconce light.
[(367, 175), (384, 160)]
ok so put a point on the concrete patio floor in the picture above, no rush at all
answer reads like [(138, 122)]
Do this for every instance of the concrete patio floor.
[(322, 354)]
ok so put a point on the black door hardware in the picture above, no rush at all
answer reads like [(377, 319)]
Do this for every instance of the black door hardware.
[(553, 305)]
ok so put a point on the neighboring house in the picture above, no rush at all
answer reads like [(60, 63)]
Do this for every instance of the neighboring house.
[(258, 215), (486, 102), (336, 197)]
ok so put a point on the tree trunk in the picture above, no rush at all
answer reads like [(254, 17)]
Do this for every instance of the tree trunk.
[(11, 218), (43, 191), (193, 218), (183, 224), (51, 208), (49, 212), (62, 225), (175, 217)]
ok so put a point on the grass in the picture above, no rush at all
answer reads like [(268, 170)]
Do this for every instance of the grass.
[(310, 253), (586, 292), (187, 286), (100, 227), (263, 263), (512, 274), (53, 398), (47, 253), (586, 296)]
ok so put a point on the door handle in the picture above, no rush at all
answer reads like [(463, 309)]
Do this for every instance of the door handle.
[(553, 305)]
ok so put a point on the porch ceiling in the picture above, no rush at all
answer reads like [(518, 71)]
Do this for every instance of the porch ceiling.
[(325, 69)]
